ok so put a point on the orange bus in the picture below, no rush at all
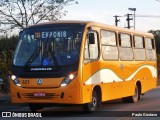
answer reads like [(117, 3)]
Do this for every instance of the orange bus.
[(81, 63)]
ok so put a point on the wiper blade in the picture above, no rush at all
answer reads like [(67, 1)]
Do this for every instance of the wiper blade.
[(33, 56)]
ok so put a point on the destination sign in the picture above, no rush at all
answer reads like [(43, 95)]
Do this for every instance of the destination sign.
[(52, 34)]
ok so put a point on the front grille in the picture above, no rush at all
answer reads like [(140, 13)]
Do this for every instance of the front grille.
[(48, 96)]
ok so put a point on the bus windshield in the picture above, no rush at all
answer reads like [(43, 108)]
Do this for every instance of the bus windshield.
[(57, 46)]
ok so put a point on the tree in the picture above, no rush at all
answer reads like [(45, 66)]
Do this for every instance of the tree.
[(21, 13), (7, 44), (158, 0), (156, 34)]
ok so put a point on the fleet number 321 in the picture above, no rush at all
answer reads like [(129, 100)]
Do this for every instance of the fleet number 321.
[(25, 82)]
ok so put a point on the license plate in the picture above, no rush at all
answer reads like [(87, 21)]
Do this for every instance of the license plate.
[(39, 94)]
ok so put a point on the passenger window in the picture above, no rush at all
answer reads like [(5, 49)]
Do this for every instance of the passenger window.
[(125, 42), (108, 38), (149, 43), (138, 42), (150, 52), (91, 51), (109, 45), (139, 51)]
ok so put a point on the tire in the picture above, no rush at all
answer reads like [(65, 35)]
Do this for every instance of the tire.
[(35, 107), (91, 107), (134, 98)]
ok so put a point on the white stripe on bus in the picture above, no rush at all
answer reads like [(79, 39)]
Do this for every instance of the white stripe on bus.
[(108, 76)]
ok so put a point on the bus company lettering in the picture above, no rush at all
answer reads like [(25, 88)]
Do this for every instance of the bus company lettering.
[(41, 69)]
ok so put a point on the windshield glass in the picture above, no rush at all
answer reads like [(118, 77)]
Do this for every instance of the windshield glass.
[(57, 46)]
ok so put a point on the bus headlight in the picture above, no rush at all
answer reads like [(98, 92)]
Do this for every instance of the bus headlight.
[(15, 80), (68, 79)]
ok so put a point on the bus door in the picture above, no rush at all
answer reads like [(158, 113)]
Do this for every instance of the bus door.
[(91, 64)]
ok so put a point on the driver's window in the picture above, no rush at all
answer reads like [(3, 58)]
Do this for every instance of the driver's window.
[(91, 51)]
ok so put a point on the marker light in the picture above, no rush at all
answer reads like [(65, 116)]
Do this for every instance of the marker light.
[(15, 80), (68, 79)]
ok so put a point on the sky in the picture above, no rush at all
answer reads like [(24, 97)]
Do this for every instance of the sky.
[(103, 11)]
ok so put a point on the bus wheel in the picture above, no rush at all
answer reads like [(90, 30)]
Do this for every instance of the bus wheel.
[(91, 107), (134, 98), (35, 107)]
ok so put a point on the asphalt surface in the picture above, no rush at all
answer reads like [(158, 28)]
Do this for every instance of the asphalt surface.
[(116, 109)]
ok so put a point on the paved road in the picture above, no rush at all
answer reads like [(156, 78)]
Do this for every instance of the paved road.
[(149, 103)]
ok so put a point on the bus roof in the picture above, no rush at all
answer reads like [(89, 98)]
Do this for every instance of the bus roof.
[(91, 23)]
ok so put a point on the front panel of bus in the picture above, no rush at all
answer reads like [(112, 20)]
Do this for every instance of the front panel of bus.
[(46, 65)]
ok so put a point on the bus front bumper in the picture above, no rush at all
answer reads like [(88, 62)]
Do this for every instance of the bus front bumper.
[(69, 94)]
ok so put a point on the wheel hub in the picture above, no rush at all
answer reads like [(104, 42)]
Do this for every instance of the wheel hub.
[(94, 101)]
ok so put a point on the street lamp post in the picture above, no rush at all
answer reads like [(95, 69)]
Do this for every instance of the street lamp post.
[(133, 9)]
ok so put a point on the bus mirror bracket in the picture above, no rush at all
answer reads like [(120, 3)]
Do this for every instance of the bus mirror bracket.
[(20, 33), (91, 38)]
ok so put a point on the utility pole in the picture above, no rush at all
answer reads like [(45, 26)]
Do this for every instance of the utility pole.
[(134, 9), (128, 20), (116, 20)]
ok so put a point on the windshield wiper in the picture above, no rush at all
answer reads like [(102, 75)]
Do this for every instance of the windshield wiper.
[(33, 56)]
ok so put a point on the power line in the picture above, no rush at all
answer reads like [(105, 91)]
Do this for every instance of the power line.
[(149, 16), (129, 18)]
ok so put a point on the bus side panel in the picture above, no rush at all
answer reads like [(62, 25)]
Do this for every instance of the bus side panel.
[(108, 77), (86, 93), (147, 75), (88, 71), (148, 84), (116, 83), (126, 88), (117, 90)]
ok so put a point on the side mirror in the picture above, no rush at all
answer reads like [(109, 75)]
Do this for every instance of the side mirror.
[(91, 38), (1, 81)]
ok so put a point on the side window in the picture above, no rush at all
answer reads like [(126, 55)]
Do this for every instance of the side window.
[(138, 42), (139, 48), (125, 42), (91, 51), (150, 52), (109, 45)]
